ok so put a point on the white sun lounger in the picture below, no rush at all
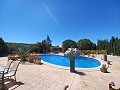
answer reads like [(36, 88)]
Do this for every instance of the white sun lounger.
[(13, 70)]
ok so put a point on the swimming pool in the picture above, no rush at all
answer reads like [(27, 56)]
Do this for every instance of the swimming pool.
[(80, 62)]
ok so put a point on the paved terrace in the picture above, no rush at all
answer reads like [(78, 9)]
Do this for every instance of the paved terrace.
[(45, 77)]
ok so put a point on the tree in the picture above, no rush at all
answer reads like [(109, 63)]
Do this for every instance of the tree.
[(48, 41), (46, 46), (3, 48), (68, 44), (86, 44), (117, 48), (102, 44), (112, 46), (38, 48), (93, 46), (14, 47)]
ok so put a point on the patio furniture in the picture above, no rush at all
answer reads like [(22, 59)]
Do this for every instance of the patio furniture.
[(13, 70), (1, 78), (7, 67)]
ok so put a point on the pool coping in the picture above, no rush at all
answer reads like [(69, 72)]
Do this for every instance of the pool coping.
[(67, 68)]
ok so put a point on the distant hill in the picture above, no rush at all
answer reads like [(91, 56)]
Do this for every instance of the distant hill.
[(16, 46)]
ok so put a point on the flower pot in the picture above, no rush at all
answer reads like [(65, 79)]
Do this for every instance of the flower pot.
[(108, 62), (30, 60), (37, 61), (104, 70), (72, 65)]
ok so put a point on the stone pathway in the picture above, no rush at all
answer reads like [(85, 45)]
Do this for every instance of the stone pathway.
[(45, 77)]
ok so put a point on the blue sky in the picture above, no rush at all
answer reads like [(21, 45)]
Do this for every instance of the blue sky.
[(29, 21)]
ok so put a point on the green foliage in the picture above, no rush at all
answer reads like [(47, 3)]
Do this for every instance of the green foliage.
[(104, 66), (46, 46), (23, 54), (102, 44), (55, 49), (108, 62), (14, 47), (112, 46), (3, 48), (92, 52), (68, 44), (40, 47), (86, 44), (48, 41)]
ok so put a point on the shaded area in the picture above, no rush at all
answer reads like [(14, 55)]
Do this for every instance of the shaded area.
[(10, 83), (108, 72), (80, 73)]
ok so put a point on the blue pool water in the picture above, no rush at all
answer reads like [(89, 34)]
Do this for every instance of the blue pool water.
[(80, 62)]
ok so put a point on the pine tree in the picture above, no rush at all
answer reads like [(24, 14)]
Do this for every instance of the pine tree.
[(48, 41)]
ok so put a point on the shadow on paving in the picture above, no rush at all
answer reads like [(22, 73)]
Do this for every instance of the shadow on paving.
[(28, 63), (80, 73), (12, 84)]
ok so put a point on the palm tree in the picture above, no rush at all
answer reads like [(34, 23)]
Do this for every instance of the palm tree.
[(23, 54)]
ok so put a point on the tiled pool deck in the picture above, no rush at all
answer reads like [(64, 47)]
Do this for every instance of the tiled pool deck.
[(45, 77)]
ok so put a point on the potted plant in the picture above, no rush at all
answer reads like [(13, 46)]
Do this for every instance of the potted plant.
[(72, 57), (23, 54), (104, 68), (31, 58), (37, 59), (108, 62)]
